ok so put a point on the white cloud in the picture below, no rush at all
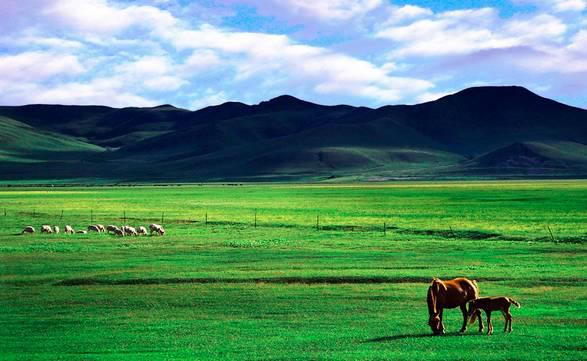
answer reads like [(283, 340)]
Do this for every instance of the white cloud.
[(38, 66), (164, 83), (153, 72), (407, 12), (466, 31), (431, 96), (325, 71), (566, 60), (208, 98), (557, 5), (199, 61), (332, 9), (109, 91), (100, 17)]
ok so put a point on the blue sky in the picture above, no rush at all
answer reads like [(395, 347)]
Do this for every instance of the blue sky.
[(361, 52)]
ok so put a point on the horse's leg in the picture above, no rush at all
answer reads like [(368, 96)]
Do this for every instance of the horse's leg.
[(464, 311), (442, 329), (478, 315), (489, 325)]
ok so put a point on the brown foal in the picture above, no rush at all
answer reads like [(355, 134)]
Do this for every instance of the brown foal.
[(489, 304)]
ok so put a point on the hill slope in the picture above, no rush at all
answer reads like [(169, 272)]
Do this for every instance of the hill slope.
[(484, 131)]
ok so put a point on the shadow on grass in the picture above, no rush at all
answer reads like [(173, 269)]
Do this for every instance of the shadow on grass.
[(418, 335)]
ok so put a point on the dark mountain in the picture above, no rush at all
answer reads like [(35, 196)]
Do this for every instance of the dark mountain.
[(478, 132)]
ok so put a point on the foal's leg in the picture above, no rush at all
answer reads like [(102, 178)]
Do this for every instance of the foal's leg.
[(506, 319), (480, 319), (465, 318), (489, 325), (509, 317)]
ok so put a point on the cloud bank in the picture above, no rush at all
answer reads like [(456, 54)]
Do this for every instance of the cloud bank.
[(362, 52)]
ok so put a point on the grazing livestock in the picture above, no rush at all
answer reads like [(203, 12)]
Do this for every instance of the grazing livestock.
[(82, 232), (489, 304), (130, 230), (157, 228), (46, 229), (101, 228), (93, 228), (118, 232), (451, 294), (112, 228), (28, 230), (56, 229), (69, 229), (142, 231)]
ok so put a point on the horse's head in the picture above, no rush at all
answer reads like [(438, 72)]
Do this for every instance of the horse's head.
[(435, 324), (472, 308)]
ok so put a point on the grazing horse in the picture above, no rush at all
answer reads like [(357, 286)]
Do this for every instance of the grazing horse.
[(451, 294)]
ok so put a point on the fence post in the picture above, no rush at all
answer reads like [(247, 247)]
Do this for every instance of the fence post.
[(318, 222), (162, 217), (255, 217), (123, 216), (61, 216), (4, 212), (384, 229), (206, 219), (551, 235)]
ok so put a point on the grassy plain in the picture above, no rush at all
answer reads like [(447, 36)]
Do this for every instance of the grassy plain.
[(285, 290)]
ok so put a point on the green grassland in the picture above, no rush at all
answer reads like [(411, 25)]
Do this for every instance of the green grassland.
[(286, 289)]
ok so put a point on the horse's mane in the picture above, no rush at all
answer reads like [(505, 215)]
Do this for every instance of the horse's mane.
[(476, 287), (433, 292)]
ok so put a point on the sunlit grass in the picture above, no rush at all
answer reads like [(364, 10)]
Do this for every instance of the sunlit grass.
[(284, 289)]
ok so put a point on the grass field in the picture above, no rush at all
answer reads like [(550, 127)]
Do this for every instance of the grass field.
[(288, 288)]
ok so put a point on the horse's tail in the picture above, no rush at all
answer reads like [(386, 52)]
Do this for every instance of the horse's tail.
[(514, 302)]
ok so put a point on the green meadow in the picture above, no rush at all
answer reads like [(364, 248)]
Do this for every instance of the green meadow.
[(291, 271)]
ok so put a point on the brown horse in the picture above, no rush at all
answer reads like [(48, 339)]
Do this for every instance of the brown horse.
[(451, 294)]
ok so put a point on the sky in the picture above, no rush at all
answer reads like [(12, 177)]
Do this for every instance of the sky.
[(192, 54)]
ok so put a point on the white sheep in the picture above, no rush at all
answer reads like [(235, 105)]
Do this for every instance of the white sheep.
[(130, 230), (157, 228), (93, 228), (28, 230)]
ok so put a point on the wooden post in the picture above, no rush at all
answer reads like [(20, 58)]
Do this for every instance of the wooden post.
[(551, 235), (4, 212), (34, 213), (206, 219), (384, 228), (318, 222), (162, 217), (123, 216), (61, 216), (255, 217)]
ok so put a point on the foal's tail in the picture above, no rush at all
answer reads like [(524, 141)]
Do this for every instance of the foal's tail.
[(514, 302)]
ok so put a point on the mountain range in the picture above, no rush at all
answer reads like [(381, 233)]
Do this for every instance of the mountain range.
[(481, 132)]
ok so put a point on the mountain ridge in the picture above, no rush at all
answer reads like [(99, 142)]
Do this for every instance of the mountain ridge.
[(475, 132)]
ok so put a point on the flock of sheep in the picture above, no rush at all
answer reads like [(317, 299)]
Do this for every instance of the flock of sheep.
[(98, 228)]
